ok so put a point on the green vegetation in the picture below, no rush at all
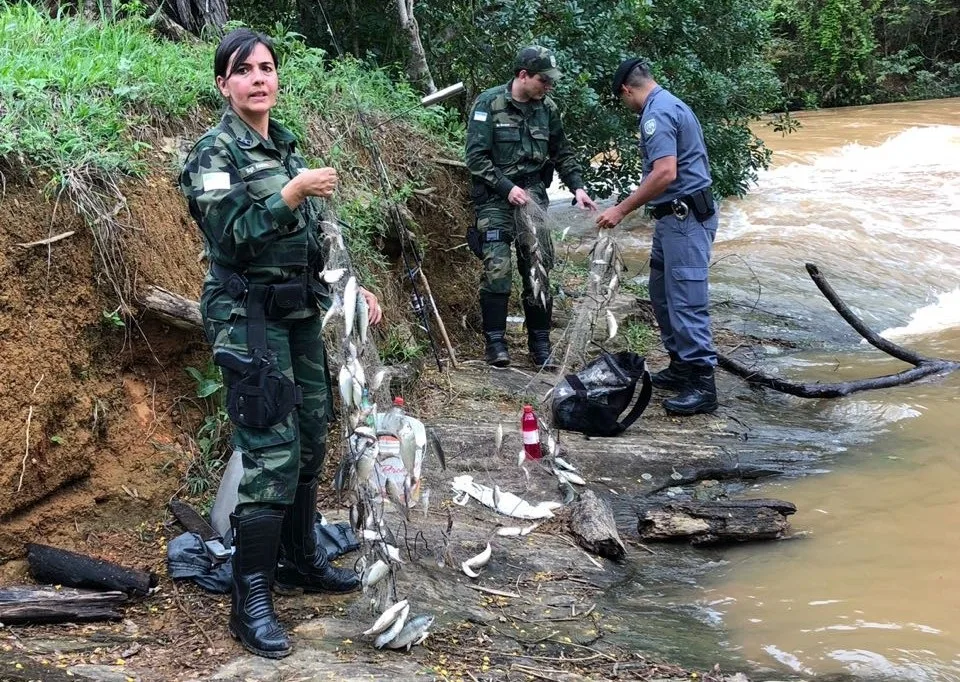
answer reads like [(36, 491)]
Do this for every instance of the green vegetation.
[(212, 439), (639, 337)]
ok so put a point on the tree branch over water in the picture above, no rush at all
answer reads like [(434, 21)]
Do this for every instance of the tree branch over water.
[(923, 366)]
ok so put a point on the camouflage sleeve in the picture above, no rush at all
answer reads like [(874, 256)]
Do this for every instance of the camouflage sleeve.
[(480, 149), (226, 213), (561, 154)]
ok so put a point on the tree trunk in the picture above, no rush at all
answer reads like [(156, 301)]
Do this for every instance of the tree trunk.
[(27, 604), (176, 19), (706, 523), (418, 71), (592, 524), (61, 567), (172, 308)]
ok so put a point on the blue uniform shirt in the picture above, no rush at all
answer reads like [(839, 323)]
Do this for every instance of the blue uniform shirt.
[(669, 128)]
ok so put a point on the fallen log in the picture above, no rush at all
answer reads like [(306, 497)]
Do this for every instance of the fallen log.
[(173, 308), (61, 567), (923, 366), (27, 604), (706, 523), (593, 526), (746, 472)]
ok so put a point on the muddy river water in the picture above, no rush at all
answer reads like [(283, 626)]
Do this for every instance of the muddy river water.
[(871, 589)]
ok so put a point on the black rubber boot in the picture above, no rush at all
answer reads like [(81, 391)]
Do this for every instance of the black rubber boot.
[(538, 332), (698, 397), (303, 564), (674, 377), (494, 310), (256, 539)]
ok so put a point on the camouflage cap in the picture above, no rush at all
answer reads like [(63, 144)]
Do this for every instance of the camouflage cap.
[(535, 59)]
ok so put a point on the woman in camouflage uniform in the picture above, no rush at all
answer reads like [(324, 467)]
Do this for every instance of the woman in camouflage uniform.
[(258, 205)]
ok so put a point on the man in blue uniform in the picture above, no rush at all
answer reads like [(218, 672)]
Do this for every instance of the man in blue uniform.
[(676, 184)]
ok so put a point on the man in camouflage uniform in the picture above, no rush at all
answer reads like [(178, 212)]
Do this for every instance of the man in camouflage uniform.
[(258, 205), (515, 140)]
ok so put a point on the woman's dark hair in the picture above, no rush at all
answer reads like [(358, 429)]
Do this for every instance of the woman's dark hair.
[(241, 41)]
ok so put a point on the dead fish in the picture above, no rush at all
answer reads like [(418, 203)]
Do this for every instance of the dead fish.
[(392, 553), (357, 393), (334, 309), (393, 492), (552, 445), (345, 382), (567, 491), (611, 326), (365, 465), (332, 276), (425, 501), (563, 235), (478, 561), (437, 448), (356, 370), (377, 379), (363, 319), (391, 633), (509, 531), (563, 464), (612, 286), (375, 574), (349, 304), (408, 447), (569, 477), (529, 529), (498, 440), (387, 618), (411, 633), (521, 458)]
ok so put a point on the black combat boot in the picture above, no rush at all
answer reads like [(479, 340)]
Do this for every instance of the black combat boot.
[(256, 539), (494, 310), (538, 332), (674, 377), (698, 397), (303, 563)]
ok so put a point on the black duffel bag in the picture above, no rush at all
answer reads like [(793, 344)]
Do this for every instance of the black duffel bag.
[(592, 400)]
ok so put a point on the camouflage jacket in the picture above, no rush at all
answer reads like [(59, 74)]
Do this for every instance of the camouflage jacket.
[(505, 143), (232, 181)]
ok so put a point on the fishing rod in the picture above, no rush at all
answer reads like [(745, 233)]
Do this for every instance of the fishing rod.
[(399, 224)]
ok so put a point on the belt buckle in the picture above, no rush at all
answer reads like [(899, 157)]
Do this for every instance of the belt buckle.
[(680, 209)]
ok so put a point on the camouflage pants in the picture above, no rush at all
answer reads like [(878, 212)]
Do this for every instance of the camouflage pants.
[(497, 277), (276, 458)]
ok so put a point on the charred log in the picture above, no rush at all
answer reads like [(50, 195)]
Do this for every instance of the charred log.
[(707, 523), (61, 567)]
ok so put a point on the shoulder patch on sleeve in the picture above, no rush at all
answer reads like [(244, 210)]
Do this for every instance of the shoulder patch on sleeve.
[(649, 126), (479, 116), (215, 181)]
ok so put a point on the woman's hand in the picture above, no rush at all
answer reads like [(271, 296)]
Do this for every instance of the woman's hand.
[(374, 312), (313, 182)]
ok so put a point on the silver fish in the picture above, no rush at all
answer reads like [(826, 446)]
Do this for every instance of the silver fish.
[(349, 305), (563, 464), (332, 276), (387, 618), (334, 309), (363, 317), (509, 531), (357, 392), (408, 447), (479, 561), (365, 465), (411, 632), (391, 633), (345, 382), (375, 574), (567, 491), (611, 326), (393, 492), (569, 477), (377, 379), (498, 440)]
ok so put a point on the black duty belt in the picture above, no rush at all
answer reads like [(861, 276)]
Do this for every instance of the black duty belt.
[(699, 202), (528, 180)]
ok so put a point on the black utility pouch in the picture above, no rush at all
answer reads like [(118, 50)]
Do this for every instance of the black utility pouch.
[(258, 394), (285, 298), (479, 192), (703, 206), (475, 241)]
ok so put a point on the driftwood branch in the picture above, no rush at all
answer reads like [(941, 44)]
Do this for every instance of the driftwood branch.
[(923, 366), (702, 523), (22, 604), (593, 526), (173, 308), (745, 472), (48, 240)]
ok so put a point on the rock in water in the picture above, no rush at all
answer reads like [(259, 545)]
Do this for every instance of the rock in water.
[(592, 524)]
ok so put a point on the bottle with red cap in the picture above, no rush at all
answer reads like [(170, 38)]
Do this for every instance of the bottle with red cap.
[(531, 433)]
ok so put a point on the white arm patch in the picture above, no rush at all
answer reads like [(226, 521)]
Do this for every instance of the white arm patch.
[(479, 116), (215, 181)]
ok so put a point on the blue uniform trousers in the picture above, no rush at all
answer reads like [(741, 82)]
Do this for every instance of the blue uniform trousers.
[(679, 262)]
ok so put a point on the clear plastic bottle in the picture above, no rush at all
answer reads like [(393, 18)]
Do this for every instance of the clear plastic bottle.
[(369, 407), (393, 418), (531, 433)]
